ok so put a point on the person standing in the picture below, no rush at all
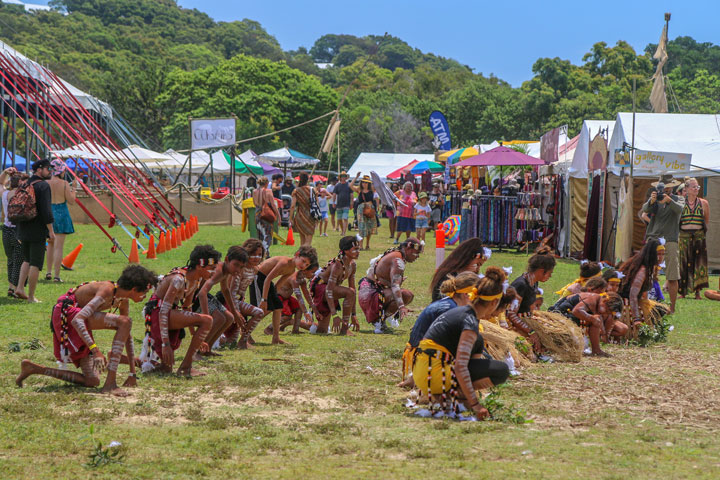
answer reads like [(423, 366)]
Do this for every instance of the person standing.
[(266, 213), (277, 183), (390, 213), (694, 220), (322, 196), (436, 200), (33, 234), (366, 210), (13, 252), (62, 193), (342, 194), (406, 211), (300, 219), (665, 211), (331, 203), (288, 187)]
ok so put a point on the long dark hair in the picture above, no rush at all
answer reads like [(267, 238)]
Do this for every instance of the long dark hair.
[(457, 260), (647, 257)]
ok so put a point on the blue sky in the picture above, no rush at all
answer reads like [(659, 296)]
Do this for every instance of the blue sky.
[(503, 37)]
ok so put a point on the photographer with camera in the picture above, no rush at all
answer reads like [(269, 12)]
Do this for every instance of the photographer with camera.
[(665, 209)]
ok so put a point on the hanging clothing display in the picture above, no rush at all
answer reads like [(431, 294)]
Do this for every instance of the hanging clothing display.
[(591, 221)]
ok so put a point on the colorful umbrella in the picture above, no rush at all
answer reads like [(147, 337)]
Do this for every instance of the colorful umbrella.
[(287, 157), (426, 165), (499, 157), (315, 178), (452, 229), (458, 155), (400, 172)]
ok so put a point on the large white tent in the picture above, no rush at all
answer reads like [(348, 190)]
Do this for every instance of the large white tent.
[(385, 163), (696, 134), (590, 128)]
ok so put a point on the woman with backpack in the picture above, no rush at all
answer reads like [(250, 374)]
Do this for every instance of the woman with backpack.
[(10, 179), (62, 194)]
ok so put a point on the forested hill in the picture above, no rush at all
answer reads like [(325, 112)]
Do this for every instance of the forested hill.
[(157, 64)]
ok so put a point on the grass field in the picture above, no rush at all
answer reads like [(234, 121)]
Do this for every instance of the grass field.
[(328, 406)]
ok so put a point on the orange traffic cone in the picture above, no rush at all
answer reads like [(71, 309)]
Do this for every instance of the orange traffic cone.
[(196, 224), (134, 256), (151, 254), (69, 260), (168, 244), (181, 232), (188, 231), (173, 239), (290, 238), (178, 238), (161, 243)]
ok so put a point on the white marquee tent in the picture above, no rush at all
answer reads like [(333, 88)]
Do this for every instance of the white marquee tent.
[(385, 163)]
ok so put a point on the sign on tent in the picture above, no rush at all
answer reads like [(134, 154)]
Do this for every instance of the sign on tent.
[(212, 132), (661, 161)]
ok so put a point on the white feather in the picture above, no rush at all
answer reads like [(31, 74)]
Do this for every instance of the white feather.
[(487, 253)]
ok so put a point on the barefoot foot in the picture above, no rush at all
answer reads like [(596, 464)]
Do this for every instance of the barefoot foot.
[(268, 330), (27, 368), (114, 390), (277, 341), (190, 372)]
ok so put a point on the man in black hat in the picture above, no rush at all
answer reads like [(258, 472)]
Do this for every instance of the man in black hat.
[(32, 235), (665, 210)]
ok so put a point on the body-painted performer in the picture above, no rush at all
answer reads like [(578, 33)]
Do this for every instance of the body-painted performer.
[(454, 293), (223, 317), (238, 286), (168, 313), (638, 278), (613, 279), (469, 256), (263, 293), (327, 289), (451, 353), (380, 292), (293, 294), (540, 269), (80, 312), (598, 312)]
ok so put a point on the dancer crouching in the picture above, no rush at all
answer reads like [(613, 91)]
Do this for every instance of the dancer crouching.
[(450, 354), (167, 314), (327, 289), (264, 295), (598, 312), (380, 293), (81, 311), (294, 307)]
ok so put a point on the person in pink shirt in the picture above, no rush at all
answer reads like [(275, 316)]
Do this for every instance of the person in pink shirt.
[(406, 211)]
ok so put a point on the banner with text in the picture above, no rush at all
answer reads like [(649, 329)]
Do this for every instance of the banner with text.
[(660, 162), (441, 130), (212, 133), (549, 144)]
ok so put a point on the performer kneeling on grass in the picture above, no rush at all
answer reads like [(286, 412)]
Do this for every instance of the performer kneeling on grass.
[(455, 294), (81, 311), (540, 269), (599, 313), (208, 304), (327, 289), (613, 278), (380, 293), (167, 314), (638, 278), (294, 307), (264, 295), (450, 354), (588, 270), (238, 285)]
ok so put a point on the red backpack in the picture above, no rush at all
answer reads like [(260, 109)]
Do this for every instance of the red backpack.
[(22, 207)]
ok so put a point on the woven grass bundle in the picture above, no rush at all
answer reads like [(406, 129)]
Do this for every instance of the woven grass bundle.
[(559, 335), (500, 341), (653, 311)]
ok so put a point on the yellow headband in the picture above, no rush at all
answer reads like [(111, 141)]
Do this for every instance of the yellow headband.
[(661, 248), (473, 294), (462, 290), (614, 280)]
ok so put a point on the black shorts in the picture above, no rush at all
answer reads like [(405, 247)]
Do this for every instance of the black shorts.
[(332, 209), (273, 301), (496, 370), (33, 253)]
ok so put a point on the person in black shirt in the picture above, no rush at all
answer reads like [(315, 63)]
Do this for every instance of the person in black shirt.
[(540, 269), (454, 341), (288, 186), (33, 234), (343, 196), (277, 185)]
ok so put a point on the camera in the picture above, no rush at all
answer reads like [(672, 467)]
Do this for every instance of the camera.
[(660, 191)]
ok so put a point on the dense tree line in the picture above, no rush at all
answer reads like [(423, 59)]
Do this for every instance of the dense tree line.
[(157, 64)]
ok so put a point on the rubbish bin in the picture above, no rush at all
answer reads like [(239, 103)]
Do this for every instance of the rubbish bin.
[(248, 206)]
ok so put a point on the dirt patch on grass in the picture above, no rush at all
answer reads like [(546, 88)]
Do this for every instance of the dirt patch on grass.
[(661, 384)]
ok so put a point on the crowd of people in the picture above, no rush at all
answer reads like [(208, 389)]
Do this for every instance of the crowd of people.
[(478, 325)]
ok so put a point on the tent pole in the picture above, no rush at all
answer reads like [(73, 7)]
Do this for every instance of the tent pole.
[(632, 147)]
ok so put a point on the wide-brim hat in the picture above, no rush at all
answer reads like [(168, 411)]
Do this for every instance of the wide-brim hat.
[(366, 179), (343, 174), (422, 195), (668, 180), (468, 187), (57, 166)]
